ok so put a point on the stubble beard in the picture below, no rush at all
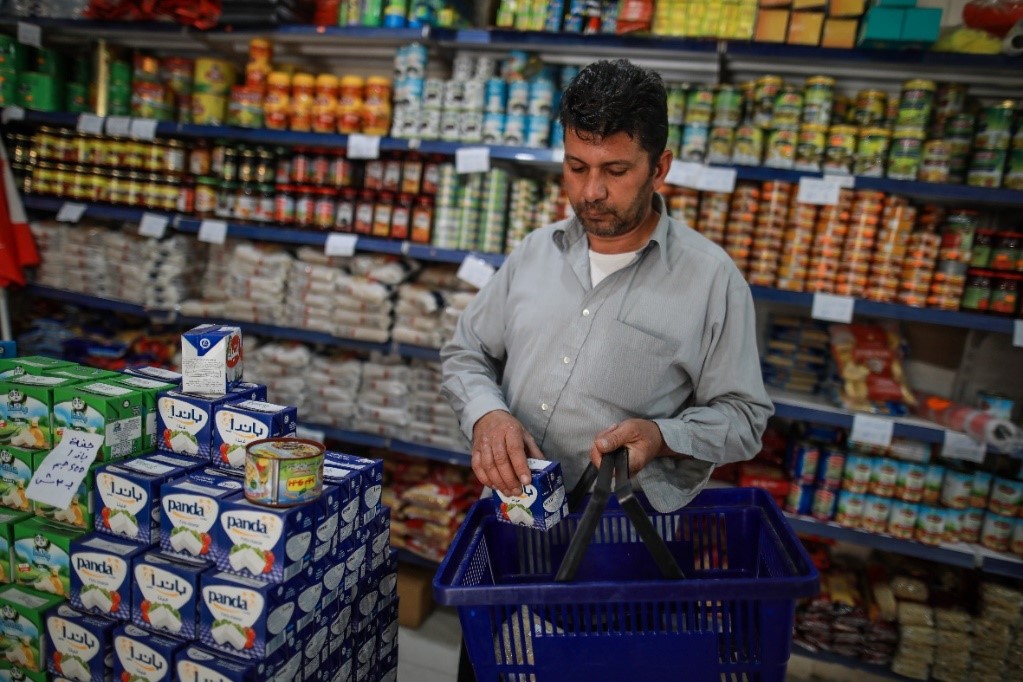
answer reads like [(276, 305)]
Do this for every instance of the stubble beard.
[(621, 223)]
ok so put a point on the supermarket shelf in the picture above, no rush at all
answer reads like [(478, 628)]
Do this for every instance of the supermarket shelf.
[(1000, 563), (86, 300), (892, 311), (370, 440), (847, 662)]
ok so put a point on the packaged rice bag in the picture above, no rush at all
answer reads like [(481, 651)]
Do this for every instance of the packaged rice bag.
[(867, 363)]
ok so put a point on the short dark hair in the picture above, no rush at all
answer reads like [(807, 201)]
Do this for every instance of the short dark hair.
[(609, 97)]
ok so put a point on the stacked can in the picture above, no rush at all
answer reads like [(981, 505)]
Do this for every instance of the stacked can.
[(829, 237), (676, 118), (13, 62), (446, 212), (211, 84), (119, 89), (713, 217), (890, 250), (921, 257), (410, 96), (699, 112), (991, 145), (794, 263), (772, 215), (958, 138), (804, 463), (995, 279), (728, 101), (495, 206), (684, 204), (858, 247), (470, 195), (524, 197), (949, 280), (742, 218)]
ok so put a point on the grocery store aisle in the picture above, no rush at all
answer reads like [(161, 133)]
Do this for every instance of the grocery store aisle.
[(430, 652)]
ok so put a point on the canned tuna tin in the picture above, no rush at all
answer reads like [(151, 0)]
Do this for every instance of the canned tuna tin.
[(282, 472)]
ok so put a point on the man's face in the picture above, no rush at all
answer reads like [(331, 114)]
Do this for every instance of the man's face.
[(609, 182)]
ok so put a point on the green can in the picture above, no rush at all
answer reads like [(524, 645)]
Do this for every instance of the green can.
[(699, 105), (915, 104), (818, 100), (8, 88), (50, 62), (986, 168), (905, 154), (994, 126), (1014, 175), (788, 107), (77, 96), (749, 145), (676, 105), (871, 152), (727, 105), (13, 55), (120, 74), (37, 91)]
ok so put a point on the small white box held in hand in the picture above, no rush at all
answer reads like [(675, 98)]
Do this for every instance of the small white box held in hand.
[(542, 503), (211, 359)]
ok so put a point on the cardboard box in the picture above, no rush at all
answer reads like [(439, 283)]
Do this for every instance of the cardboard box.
[(191, 507), (196, 663), (128, 498), (267, 543), (772, 26), (142, 655), (184, 423), (101, 570), (238, 424), (103, 408), (79, 645), (542, 503), (11, 368), (8, 521), (211, 359), (16, 467), (26, 409), (847, 8), (415, 595), (23, 623), (921, 25), (155, 374), (81, 373), (247, 618), (150, 390), (881, 27), (805, 28), (42, 556), (165, 595), (840, 33), (809, 5)]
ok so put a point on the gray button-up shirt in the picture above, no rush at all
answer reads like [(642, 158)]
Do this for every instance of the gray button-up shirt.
[(671, 337)]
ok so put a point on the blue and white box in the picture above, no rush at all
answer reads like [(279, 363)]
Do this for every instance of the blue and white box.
[(370, 482), (328, 522), (211, 359), (191, 508), (8, 349), (183, 462), (142, 655), (244, 617), (79, 645), (542, 503), (184, 423), (165, 594), (267, 543), (248, 391), (101, 575), (348, 481), (155, 374), (196, 664), (128, 497), (235, 425)]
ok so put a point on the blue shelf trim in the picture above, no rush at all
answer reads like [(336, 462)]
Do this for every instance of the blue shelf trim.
[(89, 301), (534, 39), (965, 558), (847, 662), (421, 352), (1012, 568), (927, 434), (907, 57), (370, 440), (355, 32)]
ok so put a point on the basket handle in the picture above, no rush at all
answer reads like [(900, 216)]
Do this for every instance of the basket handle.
[(616, 462)]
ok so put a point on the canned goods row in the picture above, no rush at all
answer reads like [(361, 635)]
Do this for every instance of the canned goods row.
[(60, 145)]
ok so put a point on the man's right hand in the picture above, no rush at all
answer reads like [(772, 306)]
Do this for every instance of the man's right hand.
[(500, 446)]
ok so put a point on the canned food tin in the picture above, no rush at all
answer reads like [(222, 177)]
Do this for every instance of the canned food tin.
[(876, 512), (884, 476), (986, 168), (1006, 497), (849, 509), (902, 520), (676, 105), (981, 488), (959, 126), (829, 471), (840, 149), (699, 105), (934, 165), (720, 145), (930, 525), (909, 486), (282, 472), (871, 152), (781, 148), (818, 99), (824, 500), (933, 482), (213, 76), (997, 531), (694, 141), (994, 126), (788, 107), (972, 524), (915, 104), (803, 463), (749, 145), (810, 147), (764, 93), (800, 498), (956, 489), (905, 154), (856, 475), (870, 108), (727, 105)]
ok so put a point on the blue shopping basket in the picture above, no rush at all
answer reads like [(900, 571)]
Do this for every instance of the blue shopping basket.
[(728, 619)]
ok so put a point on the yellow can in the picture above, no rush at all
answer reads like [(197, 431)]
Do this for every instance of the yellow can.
[(213, 76), (872, 152), (209, 109), (260, 51)]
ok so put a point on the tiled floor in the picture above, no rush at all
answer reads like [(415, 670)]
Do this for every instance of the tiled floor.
[(430, 654)]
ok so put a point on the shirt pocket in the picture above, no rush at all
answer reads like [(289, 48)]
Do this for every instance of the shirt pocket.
[(639, 369)]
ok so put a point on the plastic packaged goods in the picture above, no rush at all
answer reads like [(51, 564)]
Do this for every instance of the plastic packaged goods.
[(868, 369)]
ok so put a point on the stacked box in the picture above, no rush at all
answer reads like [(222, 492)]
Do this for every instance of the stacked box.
[(211, 359), (103, 408), (155, 374), (11, 368), (128, 497), (142, 655), (80, 373), (191, 508), (101, 570), (238, 424), (165, 595), (42, 556), (184, 423), (149, 389), (16, 467), (79, 645), (8, 521), (23, 625), (26, 410), (267, 543), (196, 663)]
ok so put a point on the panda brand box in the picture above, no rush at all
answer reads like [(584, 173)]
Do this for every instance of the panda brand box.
[(26, 411), (22, 621), (42, 556), (81, 373), (29, 364), (141, 655), (347, 481), (101, 569), (542, 503), (155, 374), (235, 425), (150, 390), (211, 359), (245, 617), (165, 595), (103, 408), (191, 508), (196, 664), (128, 497), (8, 521), (370, 480), (267, 543), (184, 423), (16, 467), (78, 645)]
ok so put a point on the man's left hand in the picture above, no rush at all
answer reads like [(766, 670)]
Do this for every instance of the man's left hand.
[(641, 437)]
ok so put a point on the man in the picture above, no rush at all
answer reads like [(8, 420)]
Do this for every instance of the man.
[(617, 327)]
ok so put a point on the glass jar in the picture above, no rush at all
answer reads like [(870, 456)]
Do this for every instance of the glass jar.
[(401, 216), (382, 209), (319, 167), (284, 204), (265, 206), (117, 188), (349, 106), (344, 218), (412, 173), (246, 202), (300, 166), (199, 159), (246, 165), (226, 198), (1005, 294), (364, 207), (324, 209), (185, 202), (133, 189), (174, 157), (977, 294), (305, 206), (391, 180), (1006, 251), (229, 165), (206, 190), (264, 172), (422, 219), (301, 110), (982, 244), (341, 171), (277, 101), (282, 168)]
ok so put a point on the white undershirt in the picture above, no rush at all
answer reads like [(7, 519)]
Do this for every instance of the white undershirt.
[(603, 265)]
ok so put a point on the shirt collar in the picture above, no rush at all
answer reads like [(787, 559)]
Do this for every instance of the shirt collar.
[(570, 232)]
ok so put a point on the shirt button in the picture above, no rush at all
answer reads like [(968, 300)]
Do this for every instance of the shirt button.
[(566, 360), (586, 312), (543, 406)]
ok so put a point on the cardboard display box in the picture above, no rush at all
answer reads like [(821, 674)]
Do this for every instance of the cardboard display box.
[(415, 595)]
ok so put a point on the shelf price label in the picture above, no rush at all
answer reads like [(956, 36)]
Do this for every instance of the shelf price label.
[(12, 113), (340, 245), (684, 174), (472, 160), (475, 271), (153, 225), (843, 180), (363, 146), (832, 308), (869, 430), (61, 472), (717, 180), (70, 212), (118, 126), (30, 34), (90, 124), (143, 128), (819, 191), (1017, 333), (213, 231), (957, 445)]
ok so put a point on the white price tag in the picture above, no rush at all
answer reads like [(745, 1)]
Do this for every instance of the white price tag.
[(91, 124), (475, 271), (684, 174), (340, 244), (843, 180), (1017, 333), (819, 191), (12, 113), (472, 160), (213, 231), (70, 212), (30, 34), (143, 128), (309, 433), (558, 155), (58, 476), (118, 126), (870, 430), (153, 225), (832, 308), (716, 180), (957, 445), (363, 146)]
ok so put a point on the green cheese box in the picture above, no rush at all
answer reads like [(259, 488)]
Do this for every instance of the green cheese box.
[(16, 467), (8, 521), (104, 408), (81, 373), (26, 411), (14, 673), (149, 389), (42, 556), (29, 364), (22, 624), (79, 513)]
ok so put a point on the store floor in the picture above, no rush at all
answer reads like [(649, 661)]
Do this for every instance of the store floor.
[(430, 654)]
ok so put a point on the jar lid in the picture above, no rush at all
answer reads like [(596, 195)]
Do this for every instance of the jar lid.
[(303, 80)]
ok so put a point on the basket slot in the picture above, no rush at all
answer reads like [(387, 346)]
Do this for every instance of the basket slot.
[(740, 677), (479, 570)]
